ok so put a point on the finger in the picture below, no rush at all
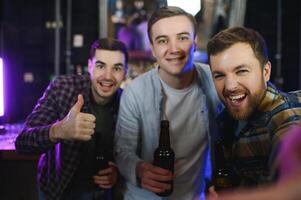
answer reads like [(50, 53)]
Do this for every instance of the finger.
[(212, 192), (101, 179), (83, 137), (86, 117), (87, 125), (110, 170), (154, 186), (79, 104), (105, 186), (85, 131), (160, 171), (105, 180), (159, 174)]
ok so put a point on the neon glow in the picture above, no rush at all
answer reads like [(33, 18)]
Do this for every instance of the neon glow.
[(1, 89), (190, 6)]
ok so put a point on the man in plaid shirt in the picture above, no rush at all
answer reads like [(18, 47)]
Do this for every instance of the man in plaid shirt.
[(257, 115), (73, 123)]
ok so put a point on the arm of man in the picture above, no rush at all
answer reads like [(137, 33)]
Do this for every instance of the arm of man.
[(278, 135), (35, 138), (127, 136)]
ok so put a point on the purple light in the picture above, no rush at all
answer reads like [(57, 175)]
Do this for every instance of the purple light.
[(1, 89)]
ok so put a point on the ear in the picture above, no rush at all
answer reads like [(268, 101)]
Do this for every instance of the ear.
[(152, 49), (90, 66), (195, 42), (267, 71)]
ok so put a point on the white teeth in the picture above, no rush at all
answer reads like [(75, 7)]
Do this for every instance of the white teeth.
[(236, 97), (106, 83)]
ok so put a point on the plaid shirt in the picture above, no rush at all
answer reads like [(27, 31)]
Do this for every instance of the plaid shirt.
[(58, 161), (250, 148)]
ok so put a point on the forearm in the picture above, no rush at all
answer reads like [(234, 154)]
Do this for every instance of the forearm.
[(34, 140)]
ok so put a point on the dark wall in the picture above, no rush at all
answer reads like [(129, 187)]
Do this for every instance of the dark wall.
[(28, 47), (262, 16)]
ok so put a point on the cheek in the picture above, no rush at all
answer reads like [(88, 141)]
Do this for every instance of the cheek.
[(219, 85), (159, 52), (119, 77)]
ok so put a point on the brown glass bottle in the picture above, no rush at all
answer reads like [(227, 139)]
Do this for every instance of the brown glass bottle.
[(222, 175), (164, 155), (101, 155)]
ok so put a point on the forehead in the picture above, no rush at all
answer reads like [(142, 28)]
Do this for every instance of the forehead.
[(109, 56), (239, 54), (172, 25)]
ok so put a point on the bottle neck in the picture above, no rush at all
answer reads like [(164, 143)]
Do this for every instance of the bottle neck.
[(164, 134), (219, 155)]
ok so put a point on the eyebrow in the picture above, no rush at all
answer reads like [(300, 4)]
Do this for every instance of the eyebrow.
[(100, 62), (165, 36), (103, 63), (184, 33), (119, 64), (235, 69), (240, 67)]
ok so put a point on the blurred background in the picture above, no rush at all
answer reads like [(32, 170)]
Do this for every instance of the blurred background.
[(42, 39)]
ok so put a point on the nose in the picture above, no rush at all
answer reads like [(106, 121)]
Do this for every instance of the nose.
[(108, 73), (231, 83), (173, 46)]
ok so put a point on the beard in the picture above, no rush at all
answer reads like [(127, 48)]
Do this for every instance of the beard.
[(245, 112), (252, 101)]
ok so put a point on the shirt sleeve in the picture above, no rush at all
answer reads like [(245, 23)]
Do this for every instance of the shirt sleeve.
[(34, 137), (127, 136), (278, 136)]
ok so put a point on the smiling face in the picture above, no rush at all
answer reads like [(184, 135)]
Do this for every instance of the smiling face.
[(239, 79), (107, 71), (173, 44)]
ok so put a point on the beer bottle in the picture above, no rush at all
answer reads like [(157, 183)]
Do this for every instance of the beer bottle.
[(164, 155), (222, 175), (101, 155)]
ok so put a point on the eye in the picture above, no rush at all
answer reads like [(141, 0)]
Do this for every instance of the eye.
[(183, 37), (242, 71), (100, 66), (162, 41), (117, 68), (218, 76)]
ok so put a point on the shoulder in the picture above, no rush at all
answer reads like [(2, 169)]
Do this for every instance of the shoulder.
[(71, 82), (144, 82), (67, 80), (284, 110), (206, 81), (202, 67)]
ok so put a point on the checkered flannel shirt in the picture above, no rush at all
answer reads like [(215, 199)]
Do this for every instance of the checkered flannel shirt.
[(251, 151), (58, 161)]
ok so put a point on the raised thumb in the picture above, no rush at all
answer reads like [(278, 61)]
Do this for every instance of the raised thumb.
[(79, 103)]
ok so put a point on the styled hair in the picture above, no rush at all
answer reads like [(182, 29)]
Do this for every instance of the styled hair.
[(109, 44), (228, 37), (165, 12)]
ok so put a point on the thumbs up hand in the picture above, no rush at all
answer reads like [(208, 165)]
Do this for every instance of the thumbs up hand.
[(75, 126)]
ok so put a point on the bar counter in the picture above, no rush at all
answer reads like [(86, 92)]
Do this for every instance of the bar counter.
[(17, 172)]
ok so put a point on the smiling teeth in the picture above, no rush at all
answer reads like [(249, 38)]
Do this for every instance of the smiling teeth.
[(105, 83), (237, 97)]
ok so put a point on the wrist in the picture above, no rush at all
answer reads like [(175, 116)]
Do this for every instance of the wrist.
[(55, 132)]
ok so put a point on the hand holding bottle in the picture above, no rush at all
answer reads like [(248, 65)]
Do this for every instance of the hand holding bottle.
[(107, 177), (154, 178)]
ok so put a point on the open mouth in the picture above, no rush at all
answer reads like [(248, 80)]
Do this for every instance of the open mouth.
[(175, 60), (236, 100), (106, 85)]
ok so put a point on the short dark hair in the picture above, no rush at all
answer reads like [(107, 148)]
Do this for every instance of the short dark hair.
[(165, 12), (230, 36), (109, 44)]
